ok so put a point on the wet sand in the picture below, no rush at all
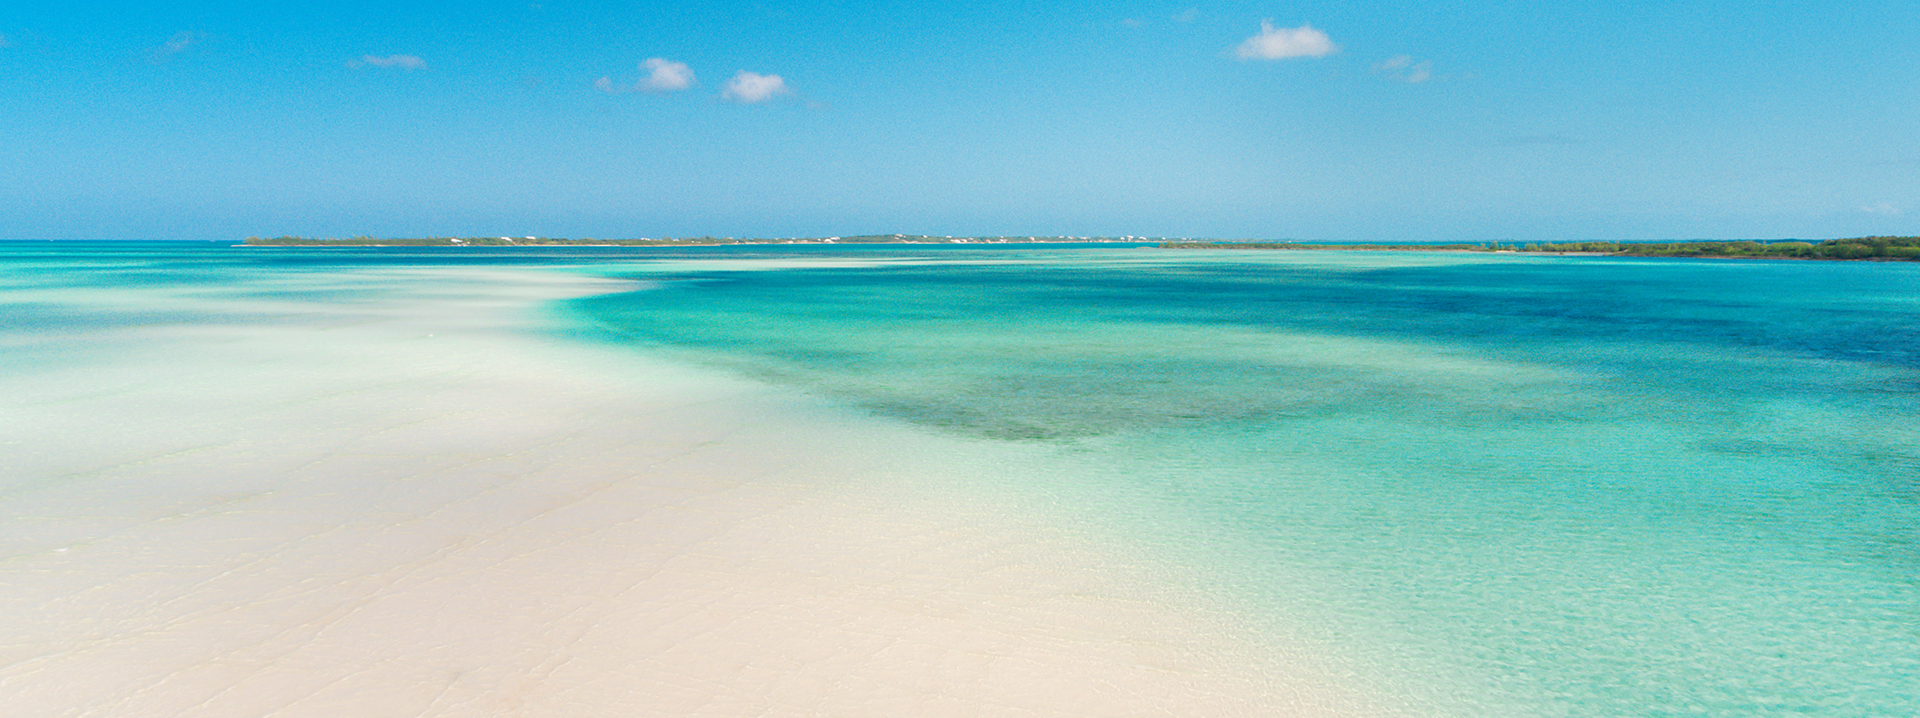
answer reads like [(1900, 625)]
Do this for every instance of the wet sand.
[(394, 499)]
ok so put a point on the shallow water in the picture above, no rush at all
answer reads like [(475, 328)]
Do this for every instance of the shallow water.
[(1472, 484), (378, 484), (1499, 485)]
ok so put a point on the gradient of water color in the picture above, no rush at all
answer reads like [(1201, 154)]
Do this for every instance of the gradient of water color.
[(1477, 485), (1499, 485)]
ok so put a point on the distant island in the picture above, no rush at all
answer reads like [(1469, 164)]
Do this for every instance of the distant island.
[(1867, 248), (663, 242), (1881, 248)]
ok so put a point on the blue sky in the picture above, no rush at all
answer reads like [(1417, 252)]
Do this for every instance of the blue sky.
[(1382, 121)]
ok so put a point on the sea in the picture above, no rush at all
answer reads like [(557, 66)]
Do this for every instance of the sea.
[(1475, 484)]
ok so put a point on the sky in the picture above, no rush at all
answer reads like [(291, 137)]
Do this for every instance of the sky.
[(1333, 120)]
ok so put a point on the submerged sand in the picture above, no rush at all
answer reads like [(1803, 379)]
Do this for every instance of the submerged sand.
[(394, 499)]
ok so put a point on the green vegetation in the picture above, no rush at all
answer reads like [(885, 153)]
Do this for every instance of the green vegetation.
[(645, 242), (1881, 248)]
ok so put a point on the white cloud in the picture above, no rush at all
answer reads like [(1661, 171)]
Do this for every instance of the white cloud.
[(751, 87), (1187, 15), (1279, 43), (4, 42), (665, 75), (1405, 69), (406, 62), (1882, 208)]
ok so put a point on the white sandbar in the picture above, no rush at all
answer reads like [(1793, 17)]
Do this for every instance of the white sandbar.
[(407, 505)]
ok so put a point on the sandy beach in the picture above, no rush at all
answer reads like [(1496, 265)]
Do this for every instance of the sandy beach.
[(382, 493)]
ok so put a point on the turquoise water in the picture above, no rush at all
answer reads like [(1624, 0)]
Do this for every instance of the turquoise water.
[(1481, 484), (1497, 485)]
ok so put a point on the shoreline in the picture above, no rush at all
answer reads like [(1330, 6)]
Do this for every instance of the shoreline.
[(549, 242), (1851, 249), (411, 506)]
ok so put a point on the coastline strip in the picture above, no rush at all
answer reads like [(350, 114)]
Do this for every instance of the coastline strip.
[(411, 507)]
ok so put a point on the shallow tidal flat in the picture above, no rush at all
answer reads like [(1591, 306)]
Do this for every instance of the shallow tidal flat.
[(381, 491), (948, 481)]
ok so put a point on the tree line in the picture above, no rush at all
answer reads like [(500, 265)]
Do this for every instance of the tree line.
[(1895, 248)]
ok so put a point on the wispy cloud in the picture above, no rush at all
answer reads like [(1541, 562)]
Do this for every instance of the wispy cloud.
[(4, 42), (1279, 43), (176, 45), (1405, 69), (752, 87), (664, 75), (1882, 208), (1537, 140), (179, 42), (1186, 16), (404, 62)]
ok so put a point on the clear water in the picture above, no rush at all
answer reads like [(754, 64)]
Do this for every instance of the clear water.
[(1498, 485), (1485, 485)]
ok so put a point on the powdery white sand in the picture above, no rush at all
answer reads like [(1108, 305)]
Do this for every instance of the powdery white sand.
[(401, 504)]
